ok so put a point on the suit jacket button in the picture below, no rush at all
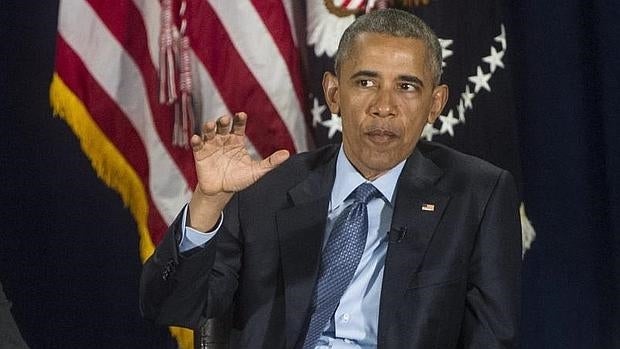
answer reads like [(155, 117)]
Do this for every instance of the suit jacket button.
[(169, 268), (165, 273)]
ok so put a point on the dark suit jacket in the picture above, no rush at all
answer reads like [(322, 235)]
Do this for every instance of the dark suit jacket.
[(452, 273)]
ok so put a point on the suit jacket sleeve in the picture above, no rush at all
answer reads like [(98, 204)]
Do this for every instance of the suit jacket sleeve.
[(492, 311), (187, 289)]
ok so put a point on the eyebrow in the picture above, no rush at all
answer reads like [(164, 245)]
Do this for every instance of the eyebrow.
[(374, 74), (412, 79)]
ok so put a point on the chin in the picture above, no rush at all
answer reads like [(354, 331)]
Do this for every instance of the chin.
[(380, 162), (377, 159)]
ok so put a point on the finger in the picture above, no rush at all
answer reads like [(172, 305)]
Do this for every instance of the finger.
[(208, 131), (275, 159), (239, 122), (223, 125), (196, 142), (269, 163)]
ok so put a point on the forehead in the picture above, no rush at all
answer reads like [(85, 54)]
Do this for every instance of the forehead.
[(381, 51)]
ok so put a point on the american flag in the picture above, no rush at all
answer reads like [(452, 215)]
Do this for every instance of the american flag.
[(106, 86)]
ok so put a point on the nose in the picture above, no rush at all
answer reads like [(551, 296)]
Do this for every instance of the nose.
[(383, 103)]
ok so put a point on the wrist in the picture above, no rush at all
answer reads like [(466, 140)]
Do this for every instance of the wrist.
[(218, 200), (205, 210)]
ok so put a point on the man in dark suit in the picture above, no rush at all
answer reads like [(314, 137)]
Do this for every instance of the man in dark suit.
[(384, 241)]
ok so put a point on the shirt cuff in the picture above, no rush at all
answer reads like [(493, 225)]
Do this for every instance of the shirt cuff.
[(192, 238)]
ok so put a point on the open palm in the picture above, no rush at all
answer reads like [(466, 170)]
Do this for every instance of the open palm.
[(223, 163)]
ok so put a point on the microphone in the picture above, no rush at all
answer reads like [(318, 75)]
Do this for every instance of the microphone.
[(399, 234)]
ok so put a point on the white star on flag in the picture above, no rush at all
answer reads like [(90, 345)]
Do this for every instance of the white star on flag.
[(447, 123), (317, 111), (481, 80), (494, 59), (334, 124), (467, 97), (501, 38), (429, 131), (445, 52), (461, 110)]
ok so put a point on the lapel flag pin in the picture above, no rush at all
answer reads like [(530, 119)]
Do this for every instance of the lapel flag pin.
[(428, 207)]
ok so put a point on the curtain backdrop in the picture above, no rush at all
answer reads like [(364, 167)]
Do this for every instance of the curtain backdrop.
[(568, 101)]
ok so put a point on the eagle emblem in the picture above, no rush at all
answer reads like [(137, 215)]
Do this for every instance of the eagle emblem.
[(344, 8), (327, 19)]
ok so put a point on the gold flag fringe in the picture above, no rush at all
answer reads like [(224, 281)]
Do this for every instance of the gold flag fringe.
[(113, 169)]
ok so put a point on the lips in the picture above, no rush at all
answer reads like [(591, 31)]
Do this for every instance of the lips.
[(381, 135)]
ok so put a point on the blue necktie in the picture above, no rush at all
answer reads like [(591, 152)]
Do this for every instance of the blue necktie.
[(340, 258)]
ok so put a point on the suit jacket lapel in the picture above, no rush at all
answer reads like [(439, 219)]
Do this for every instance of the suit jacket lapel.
[(301, 229), (418, 208)]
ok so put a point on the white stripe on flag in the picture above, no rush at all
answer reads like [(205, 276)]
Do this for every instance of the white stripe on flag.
[(290, 14), (150, 11)]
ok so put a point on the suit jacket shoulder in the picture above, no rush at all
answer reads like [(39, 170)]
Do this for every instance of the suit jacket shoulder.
[(463, 173), (459, 164)]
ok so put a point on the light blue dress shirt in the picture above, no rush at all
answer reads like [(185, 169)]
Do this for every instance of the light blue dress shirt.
[(356, 319)]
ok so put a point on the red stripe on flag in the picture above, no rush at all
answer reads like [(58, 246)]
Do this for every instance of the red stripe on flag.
[(239, 88), (111, 120), (125, 22), (108, 116), (274, 16)]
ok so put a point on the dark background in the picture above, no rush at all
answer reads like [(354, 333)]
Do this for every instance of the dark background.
[(69, 249)]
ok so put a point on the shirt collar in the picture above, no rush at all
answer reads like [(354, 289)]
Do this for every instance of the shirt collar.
[(348, 178)]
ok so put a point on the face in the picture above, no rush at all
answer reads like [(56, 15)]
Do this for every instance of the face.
[(385, 94)]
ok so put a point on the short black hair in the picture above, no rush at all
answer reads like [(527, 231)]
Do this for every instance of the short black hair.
[(392, 22)]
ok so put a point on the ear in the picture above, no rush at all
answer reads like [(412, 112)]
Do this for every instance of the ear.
[(331, 91), (440, 97)]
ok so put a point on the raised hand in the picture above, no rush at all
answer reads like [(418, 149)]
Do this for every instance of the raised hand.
[(224, 166)]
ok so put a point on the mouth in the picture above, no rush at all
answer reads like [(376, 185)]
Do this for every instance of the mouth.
[(380, 136)]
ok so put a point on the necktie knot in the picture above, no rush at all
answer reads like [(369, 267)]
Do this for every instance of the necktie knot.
[(364, 193)]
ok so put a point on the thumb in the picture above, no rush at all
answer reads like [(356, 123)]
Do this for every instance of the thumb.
[(269, 163), (275, 159)]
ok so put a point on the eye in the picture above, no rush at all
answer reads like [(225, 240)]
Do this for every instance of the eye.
[(408, 86), (366, 83)]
